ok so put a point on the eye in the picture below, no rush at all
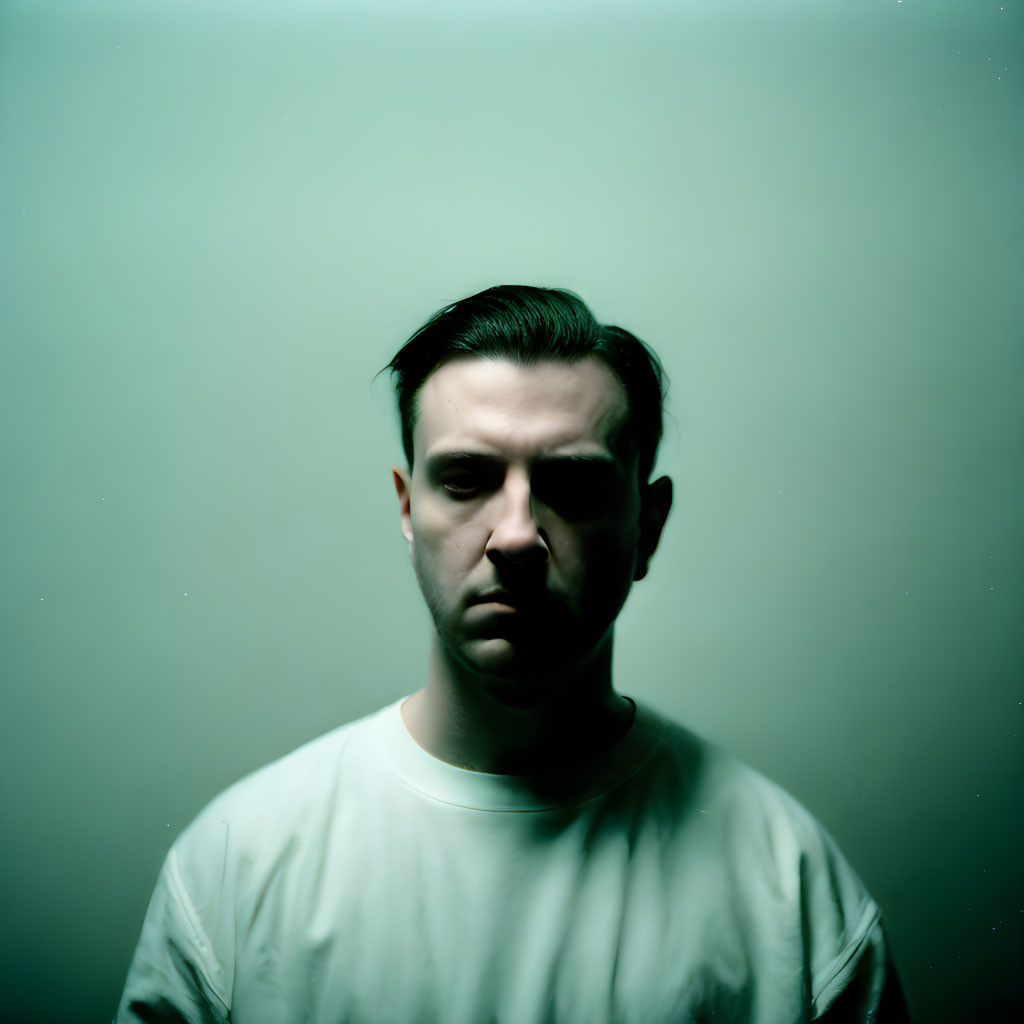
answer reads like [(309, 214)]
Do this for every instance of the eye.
[(460, 485), (465, 478), (577, 491)]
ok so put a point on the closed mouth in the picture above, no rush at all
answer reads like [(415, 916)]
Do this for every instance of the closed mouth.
[(495, 596), (498, 595)]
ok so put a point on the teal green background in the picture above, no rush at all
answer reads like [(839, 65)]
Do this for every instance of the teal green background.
[(219, 220)]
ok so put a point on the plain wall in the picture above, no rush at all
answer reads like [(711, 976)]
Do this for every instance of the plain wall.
[(218, 221)]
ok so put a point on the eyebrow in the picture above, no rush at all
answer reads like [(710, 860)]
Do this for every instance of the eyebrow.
[(466, 457)]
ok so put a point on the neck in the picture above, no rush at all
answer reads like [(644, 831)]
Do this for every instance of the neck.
[(484, 725)]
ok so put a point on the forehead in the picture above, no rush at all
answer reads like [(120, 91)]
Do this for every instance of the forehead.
[(505, 408)]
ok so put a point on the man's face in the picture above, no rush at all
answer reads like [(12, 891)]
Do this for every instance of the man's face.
[(524, 513)]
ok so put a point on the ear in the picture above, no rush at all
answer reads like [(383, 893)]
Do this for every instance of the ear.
[(655, 502), (403, 485)]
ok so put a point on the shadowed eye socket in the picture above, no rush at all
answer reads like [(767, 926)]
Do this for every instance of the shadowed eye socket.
[(463, 476), (578, 488)]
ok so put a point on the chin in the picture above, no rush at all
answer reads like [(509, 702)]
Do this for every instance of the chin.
[(504, 660), (512, 675)]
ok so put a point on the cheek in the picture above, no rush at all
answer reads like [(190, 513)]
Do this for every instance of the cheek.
[(599, 566), (596, 547), (445, 545)]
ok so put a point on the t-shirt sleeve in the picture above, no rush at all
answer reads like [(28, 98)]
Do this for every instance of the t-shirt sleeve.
[(816, 919), (867, 989), (850, 970), (174, 975)]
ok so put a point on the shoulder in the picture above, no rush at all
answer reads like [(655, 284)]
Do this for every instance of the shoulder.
[(742, 805), (249, 852), (787, 878), (291, 802)]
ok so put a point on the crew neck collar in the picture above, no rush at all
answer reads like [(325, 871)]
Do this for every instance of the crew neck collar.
[(487, 791)]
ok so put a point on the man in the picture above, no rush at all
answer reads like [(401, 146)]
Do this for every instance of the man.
[(516, 841)]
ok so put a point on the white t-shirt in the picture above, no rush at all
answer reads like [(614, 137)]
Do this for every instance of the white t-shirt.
[(359, 880)]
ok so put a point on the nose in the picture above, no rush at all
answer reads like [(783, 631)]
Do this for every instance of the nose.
[(516, 536)]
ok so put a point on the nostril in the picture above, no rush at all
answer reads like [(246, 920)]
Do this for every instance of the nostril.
[(520, 556)]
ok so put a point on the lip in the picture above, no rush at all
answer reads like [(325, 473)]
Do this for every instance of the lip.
[(502, 598)]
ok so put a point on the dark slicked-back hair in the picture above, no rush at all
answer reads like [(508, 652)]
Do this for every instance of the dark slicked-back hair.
[(525, 325)]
